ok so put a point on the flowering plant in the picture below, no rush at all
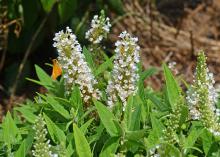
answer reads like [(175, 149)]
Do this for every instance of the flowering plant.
[(86, 113)]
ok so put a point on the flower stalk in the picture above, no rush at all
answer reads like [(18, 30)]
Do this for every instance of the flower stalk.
[(99, 30), (202, 97), (125, 71), (100, 27), (75, 68), (172, 123), (41, 144)]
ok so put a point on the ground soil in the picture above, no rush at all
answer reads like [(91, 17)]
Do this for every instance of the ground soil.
[(174, 31)]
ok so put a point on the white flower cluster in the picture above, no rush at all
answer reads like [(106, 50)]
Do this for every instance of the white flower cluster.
[(41, 144), (75, 68), (100, 27), (202, 98), (193, 96), (192, 100), (125, 71), (172, 66)]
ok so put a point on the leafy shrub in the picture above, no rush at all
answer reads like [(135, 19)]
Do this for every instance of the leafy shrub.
[(103, 108), (28, 26)]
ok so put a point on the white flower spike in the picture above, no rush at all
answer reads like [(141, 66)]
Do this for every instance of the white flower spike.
[(76, 70), (202, 97), (100, 27), (41, 144), (125, 71)]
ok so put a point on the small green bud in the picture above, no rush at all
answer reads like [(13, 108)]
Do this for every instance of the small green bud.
[(107, 75), (183, 127)]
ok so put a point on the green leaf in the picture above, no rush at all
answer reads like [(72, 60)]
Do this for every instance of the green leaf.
[(69, 149), (88, 58), (128, 111), (157, 126), (87, 113), (35, 81), (82, 146), (135, 117), (57, 106), (104, 66), (133, 145), (47, 4), (172, 88), (77, 103), (54, 131), (171, 150), (158, 102), (143, 76), (76, 99), (85, 126), (193, 148), (21, 152), (43, 76), (147, 73), (184, 114), (26, 113), (10, 131), (192, 137), (97, 135), (25, 145), (141, 90), (152, 139), (132, 114), (29, 140), (110, 147), (206, 141), (214, 150), (107, 119), (135, 135), (66, 9)]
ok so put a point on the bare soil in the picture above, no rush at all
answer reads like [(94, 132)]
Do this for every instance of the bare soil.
[(173, 31)]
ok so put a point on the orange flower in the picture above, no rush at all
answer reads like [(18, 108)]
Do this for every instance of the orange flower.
[(57, 71)]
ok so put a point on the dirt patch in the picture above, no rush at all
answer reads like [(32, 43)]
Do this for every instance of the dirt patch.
[(164, 39)]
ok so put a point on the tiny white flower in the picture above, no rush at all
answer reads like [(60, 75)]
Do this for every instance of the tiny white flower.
[(100, 27), (124, 75), (41, 144), (202, 97), (75, 69)]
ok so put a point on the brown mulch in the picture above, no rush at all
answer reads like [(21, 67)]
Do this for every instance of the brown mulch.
[(162, 41)]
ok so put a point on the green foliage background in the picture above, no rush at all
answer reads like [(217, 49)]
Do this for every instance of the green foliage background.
[(76, 130), (151, 120), (52, 15)]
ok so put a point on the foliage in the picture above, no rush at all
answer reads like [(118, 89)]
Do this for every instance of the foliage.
[(145, 123), (24, 23)]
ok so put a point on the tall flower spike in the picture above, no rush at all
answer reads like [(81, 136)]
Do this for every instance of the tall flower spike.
[(41, 144), (125, 71), (75, 69), (202, 97), (100, 27), (172, 123)]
